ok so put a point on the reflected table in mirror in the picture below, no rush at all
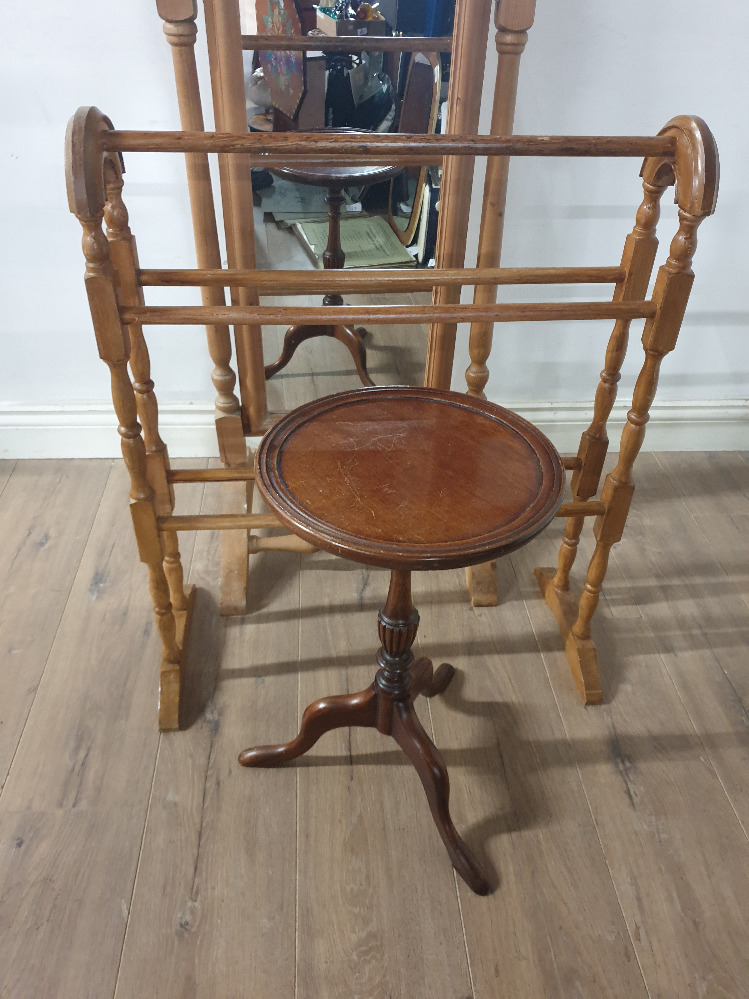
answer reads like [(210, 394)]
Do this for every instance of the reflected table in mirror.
[(334, 179)]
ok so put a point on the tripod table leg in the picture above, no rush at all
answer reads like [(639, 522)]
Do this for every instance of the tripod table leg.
[(423, 754), (320, 717), (429, 681)]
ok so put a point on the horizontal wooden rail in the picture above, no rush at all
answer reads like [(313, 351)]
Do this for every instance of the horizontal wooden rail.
[(278, 148), (584, 508), (218, 522), (385, 280), (210, 474), (572, 463), (201, 315), (346, 43), (282, 543)]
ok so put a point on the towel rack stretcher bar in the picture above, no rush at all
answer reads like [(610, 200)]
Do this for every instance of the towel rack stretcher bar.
[(292, 282), (180, 475), (218, 522), (255, 521), (241, 474), (200, 315)]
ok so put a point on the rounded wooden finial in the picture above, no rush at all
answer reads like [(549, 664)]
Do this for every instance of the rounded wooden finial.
[(177, 10), (86, 161), (695, 165)]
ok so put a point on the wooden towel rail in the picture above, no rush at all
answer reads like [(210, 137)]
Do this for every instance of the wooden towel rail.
[(683, 155), (385, 280), (282, 148)]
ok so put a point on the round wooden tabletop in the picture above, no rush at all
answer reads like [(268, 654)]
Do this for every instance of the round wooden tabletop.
[(410, 478)]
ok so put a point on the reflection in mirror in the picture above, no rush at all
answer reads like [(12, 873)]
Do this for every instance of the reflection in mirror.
[(418, 115)]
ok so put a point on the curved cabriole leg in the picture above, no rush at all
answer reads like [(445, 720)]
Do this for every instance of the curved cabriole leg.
[(422, 672), (423, 754), (347, 335), (351, 338), (293, 338), (320, 717), (428, 681)]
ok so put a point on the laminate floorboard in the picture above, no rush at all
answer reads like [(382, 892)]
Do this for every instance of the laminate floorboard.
[(46, 512), (214, 904), (517, 793), (74, 805), (677, 853), (722, 517), (693, 608), (6, 470), (135, 864)]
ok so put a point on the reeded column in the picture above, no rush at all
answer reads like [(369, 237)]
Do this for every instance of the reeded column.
[(397, 624)]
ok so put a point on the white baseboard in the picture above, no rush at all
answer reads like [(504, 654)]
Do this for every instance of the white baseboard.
[(89, 430)]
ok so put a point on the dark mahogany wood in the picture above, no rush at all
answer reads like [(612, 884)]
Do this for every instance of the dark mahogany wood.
[(429, 479), (412, 478), (333, 179)]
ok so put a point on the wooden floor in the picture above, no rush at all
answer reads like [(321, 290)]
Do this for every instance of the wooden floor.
[(136, 866), (139, 865)]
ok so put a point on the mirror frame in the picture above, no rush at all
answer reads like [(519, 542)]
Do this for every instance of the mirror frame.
[(406, 235)]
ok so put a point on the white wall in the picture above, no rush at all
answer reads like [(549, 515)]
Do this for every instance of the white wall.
[(590, 67), (54, 390), (593, 67)]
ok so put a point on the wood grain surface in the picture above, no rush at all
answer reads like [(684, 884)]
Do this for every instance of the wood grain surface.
[(210, 821), (73, 807), (663, 817), (411, 478), (43, 548), (135, 864)]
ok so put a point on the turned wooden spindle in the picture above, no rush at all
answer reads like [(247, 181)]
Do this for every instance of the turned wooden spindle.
[(637, 263), (333, 257), (397, 624), (693, 168), (181, 31), (114, 350), (124, 257), (511, 39), (125, 262), (463, 107), (227, 83), (89, 171), (181, 36), (671, 293)]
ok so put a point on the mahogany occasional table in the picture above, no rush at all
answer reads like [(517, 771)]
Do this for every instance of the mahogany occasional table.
[(408, 479)]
